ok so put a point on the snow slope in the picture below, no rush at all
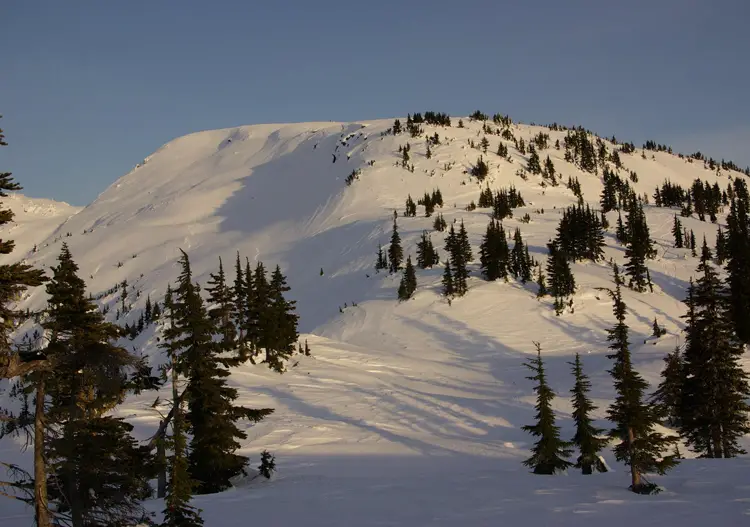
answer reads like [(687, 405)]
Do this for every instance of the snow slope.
[(35, 220), (407, 414)]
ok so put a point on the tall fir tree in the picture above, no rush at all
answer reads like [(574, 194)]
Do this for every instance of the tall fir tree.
[(381, 262), (550, 453), (220, 298), (561, 281), (677, 232), (426, 254), (639, 247), (668, 395), (448, 289), (240, 309), (178, 512), (17, 278), (587, 437), (713, 409), (408, 283), (211, 413), (98, 473), (395, 252), (640, 446), (280, 323), (494, 255), (519, 260), (738, 262)]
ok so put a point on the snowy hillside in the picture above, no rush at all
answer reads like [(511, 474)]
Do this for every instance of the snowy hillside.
[(35, 220), (407, 413)]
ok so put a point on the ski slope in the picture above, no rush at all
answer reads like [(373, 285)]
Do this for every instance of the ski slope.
[(407, 413)]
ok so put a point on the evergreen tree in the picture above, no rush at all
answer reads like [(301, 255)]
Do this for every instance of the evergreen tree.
[(639, 247), (178, 512), (17, 278), (395, 252), (519, 259), (411, 207), (494, 255), (640, 447), (280, 327), (381, 262), (714, 408), (534, 165), (677, 232), (550, 452), (620, 233), (721, 247), (98, 473), (541, 283), (211, 413), (439, 224), (448, 289), (668, 396), (220, 297), (586, 438), (738, 261), (426, 254), (693, 246), (240, 309), (408, 284), (561, 281)]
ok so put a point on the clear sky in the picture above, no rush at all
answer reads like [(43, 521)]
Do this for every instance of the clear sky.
[(89, 88)]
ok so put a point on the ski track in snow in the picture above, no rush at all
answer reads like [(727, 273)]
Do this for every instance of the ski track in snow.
[(407, 413)]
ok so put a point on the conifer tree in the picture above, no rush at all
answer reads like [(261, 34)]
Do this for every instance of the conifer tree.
[(668, 396), (640, 447), (586, 438), (714, 409), (693, 246), (677, 232), (381, 262), (280, 323), (439, 224), (98, 473), (240, 309), (721, 247), (541, 283), (549, 452), (411, 207), (178, 512), (561, 281), (738, 260), (494, 254), (639, 247), (408, 284), (534, 165), (220, 297), (620, 233), (448, 289), (519, 259), (395, 252), (426, 254), (17, 278), (211, 413)]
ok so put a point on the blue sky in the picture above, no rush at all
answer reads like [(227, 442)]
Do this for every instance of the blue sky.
[(89, 88)]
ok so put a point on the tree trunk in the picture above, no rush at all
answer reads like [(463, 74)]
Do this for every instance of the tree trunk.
[(161, 456), (41, 511), (635, 471)]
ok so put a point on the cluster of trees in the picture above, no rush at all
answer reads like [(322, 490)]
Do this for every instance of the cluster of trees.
[(701, 198), (430, 201), (88, 469), (616, 193), (456, 273), (704, 389), (634, 418), (580, 234), (480, 170), (497, 260)]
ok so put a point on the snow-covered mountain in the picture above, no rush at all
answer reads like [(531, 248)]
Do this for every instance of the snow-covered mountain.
[(407, 413)]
